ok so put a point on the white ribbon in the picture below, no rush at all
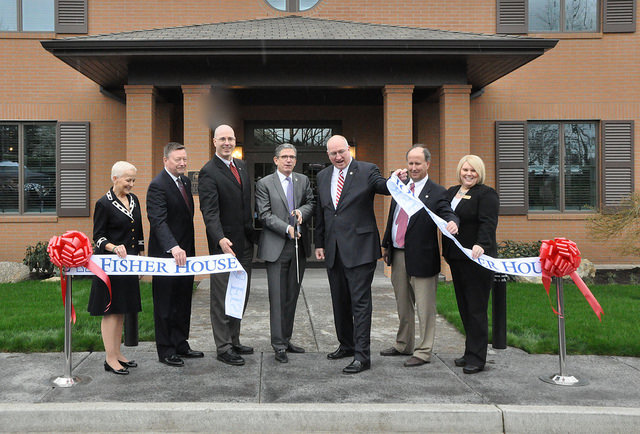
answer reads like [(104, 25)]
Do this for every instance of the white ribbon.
[(529, 267), (148, 266)]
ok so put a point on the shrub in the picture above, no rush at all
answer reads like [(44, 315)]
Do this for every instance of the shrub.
[(38, 261), (518, 249), (623, 224)]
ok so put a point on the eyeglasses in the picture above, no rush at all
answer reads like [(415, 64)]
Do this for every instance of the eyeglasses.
[(225, 139), (341, 152), (288, 157)]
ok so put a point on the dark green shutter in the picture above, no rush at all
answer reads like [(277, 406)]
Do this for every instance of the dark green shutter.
[(73, 169), (511, 167), (617, 162)]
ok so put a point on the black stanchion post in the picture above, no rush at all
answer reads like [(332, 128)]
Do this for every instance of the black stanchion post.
[(131, 329), (499, 308)]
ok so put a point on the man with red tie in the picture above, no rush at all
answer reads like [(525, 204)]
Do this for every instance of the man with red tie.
[(411, 248), (225, 201), (347, 239)]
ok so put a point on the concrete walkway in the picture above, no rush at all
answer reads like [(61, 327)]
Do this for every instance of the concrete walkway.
[(310, 393)]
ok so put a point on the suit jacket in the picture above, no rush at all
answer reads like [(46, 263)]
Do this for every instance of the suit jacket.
[(351, 227), (478, 221), (422, 250), (226, 205), (273, 211), (170, 218)]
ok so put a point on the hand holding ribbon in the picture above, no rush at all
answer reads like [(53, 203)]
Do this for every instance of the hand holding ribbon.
[(73, 249), (560, 257)]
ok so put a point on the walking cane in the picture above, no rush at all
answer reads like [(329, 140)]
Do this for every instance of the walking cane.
[(295, 236)]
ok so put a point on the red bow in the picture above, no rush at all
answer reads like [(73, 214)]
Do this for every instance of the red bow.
[(560, 257), (73, 249)]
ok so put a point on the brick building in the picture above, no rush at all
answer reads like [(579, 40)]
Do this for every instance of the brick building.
[(546, 92)]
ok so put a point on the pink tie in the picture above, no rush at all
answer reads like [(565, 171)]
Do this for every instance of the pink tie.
[(339, 186), (402, 221)]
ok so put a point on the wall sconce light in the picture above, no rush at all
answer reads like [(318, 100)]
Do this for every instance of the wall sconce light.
[(352, 148), (238, 153)]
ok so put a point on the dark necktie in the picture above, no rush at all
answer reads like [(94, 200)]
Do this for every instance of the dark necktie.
[(403, 221), (290, 201), (183, 191), (234, 170)]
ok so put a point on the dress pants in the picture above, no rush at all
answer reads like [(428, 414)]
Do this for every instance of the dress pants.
[(352, 306), (413, 291), (284, 289), (226, 329), (472, 284), (172, 313)]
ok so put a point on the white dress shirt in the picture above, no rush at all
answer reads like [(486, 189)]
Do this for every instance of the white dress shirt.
[(418, 186), (334, 181)]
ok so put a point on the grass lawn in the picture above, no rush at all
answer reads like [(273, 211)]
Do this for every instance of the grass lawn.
[(533, 327), (32, 317)]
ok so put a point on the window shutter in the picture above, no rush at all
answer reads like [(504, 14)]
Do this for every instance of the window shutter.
[(511, 167), (71, 16), (73, 169), (511, 16), (619, 16), (617, 158)]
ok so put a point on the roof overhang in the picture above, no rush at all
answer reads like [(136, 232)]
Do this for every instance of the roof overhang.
[(363, 58)]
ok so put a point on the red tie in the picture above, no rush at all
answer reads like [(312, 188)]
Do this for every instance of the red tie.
[(235, 172), (183, 191), (402, 221), (339, 186)]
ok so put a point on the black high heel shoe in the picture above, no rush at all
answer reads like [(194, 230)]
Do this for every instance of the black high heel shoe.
[(129, 364), (122, 371)]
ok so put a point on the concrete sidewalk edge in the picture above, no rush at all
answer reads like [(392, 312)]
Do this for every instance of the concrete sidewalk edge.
[(225, 417)]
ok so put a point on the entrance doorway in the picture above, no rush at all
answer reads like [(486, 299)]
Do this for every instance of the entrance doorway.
[(310, 140)]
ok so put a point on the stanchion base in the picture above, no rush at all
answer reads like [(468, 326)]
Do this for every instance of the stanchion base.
[(564, 380), (70, 381)]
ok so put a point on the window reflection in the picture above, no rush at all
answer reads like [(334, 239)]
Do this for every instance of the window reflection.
[(38, 15), (292, 6), (8, 15), (579, 15), (305, 137)]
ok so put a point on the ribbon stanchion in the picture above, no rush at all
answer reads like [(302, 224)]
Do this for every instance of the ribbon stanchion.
[(562, 379)]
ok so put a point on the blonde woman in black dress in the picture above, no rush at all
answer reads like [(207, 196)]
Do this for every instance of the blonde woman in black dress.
[(117, 229)]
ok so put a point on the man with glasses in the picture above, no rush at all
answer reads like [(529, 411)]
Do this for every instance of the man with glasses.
[(347, 239), (225, 201), (284, 204)]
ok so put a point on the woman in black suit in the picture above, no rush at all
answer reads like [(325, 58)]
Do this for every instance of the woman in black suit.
[(477, 206), (117, 229)]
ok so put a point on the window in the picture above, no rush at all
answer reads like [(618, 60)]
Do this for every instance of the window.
[(292, 5), (531, 16), (27, 15), (27, 168), (562, 167), (300, 134), (563, 15)]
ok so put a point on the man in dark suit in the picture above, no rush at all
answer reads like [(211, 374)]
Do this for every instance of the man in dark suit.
[(411, 248), (225, 201), (284, 203), (347, 238), (170, 213)]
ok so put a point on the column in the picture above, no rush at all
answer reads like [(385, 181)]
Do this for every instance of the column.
[(455, 129), (197, 139)]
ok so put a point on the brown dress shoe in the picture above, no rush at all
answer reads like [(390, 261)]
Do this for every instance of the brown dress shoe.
[(392, 352), (414, 361)]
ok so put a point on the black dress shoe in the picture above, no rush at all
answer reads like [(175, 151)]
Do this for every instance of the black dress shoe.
[(295, 349), (129, 364), (230, 358), (472, 369), (172, 360), (192, 354), (356, 367), (340, 354), (242, 349), (460, 362), (108, 368), (392, 352), (281, 356), (415, 361)]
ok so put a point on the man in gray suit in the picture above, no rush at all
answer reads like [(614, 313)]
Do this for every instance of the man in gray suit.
[(284, 204)]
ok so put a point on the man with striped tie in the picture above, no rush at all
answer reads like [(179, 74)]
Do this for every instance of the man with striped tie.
[(347, 239)]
